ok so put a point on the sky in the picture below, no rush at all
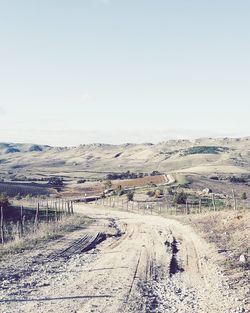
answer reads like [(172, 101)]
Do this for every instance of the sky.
[(115, 71)]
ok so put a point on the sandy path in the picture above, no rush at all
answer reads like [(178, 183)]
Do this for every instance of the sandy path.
[(156, 265)]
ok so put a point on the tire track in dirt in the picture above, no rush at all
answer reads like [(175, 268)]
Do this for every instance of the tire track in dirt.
[(150, 264), (87, 243)]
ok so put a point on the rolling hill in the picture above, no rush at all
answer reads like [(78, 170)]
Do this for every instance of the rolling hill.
[(201, 156)]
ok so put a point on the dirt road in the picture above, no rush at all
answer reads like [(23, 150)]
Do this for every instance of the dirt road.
[(145, 264)]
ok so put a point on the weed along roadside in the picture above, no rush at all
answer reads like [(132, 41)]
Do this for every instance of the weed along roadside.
[(23, 227)]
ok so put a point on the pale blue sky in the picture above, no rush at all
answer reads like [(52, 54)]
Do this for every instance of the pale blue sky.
[(76, 71)]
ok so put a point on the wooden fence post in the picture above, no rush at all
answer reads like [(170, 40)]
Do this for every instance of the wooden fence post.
[(18, 229), (23, 223), (213, 202), (37, 215), (234, 199), (47, 212), (21, 218), (56, 217), (1, 226)]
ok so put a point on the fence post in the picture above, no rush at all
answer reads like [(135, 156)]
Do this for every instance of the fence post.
[(234, 199), (47, 212), (167, 207), (213, 202), (23, 223), (37, 215), (18, 229), (21, 229), (56, 218), (1, 226)]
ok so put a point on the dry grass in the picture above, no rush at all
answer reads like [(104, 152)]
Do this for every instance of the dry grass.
[(230, 232), (44, 232)]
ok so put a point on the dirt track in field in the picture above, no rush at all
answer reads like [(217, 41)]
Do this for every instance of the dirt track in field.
[(145, 264)]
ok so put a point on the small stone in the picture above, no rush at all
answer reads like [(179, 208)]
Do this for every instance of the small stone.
[(5, 283), (242, 258)]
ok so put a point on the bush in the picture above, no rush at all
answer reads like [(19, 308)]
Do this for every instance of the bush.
[(130, 196), (155, 173), (55, 181), (180, 198), (235, 179), (243, 196), (81, 181), (151, 193), (170, 191)]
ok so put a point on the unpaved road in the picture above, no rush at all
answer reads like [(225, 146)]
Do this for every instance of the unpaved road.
[(146, 264)]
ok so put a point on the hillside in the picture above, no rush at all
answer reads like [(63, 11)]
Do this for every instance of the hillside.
[(202, 156)]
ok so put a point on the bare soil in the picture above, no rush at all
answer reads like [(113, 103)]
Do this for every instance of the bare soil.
[(145, 264)]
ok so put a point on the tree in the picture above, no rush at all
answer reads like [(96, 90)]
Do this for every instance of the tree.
[(180, 198), (244, 195)]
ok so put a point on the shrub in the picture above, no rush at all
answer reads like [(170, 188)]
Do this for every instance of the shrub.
[(130, 196), (151, 193), (55, 181), (243, 196), (235, 179), (170, 191), (81, 181), (180, 198)]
